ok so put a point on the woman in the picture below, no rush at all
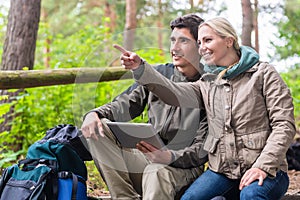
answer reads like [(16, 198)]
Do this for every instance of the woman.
[(250, 115)]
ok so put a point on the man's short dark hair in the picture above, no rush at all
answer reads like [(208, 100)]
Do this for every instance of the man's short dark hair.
[(189, 21)]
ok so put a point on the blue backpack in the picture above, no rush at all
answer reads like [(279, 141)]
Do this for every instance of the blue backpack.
[(53, 169)]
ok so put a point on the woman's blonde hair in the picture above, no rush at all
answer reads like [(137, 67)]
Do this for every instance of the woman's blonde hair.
[(224, 29)]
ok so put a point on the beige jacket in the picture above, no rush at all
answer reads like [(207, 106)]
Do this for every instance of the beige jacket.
[(251, 117)]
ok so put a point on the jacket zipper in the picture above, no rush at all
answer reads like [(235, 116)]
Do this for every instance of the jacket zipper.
[(168, 120)]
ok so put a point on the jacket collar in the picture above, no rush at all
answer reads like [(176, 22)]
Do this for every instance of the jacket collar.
[(212, 77), (179, 77)]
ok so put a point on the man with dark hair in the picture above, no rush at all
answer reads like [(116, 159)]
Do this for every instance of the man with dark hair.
[(147, 172)]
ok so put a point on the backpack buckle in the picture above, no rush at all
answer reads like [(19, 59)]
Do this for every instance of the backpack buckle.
[(64, 174)]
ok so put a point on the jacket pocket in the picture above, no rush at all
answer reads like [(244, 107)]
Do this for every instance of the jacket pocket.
[(252, 146), (210, 144)]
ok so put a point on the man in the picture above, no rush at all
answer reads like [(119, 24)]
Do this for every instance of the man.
[(147, 172)]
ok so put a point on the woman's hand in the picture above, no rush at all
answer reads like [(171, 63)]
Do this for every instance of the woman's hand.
[(251, 175), (129, 60), (153, 154)]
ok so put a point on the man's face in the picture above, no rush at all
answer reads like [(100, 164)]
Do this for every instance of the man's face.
[(184, 49)]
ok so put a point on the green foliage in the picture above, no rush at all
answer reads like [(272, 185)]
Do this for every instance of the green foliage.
[(86, 46), (38, 109), (292, 80), (94, 178), (68, 16), (289, 31), (153, 56), (9, 157)]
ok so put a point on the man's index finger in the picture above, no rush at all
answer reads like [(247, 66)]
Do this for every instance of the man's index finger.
[(120, 48)]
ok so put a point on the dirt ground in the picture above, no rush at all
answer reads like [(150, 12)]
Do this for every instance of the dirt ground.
[(294, 188)]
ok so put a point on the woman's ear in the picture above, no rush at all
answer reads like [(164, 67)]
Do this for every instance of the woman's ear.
[(229, 41)]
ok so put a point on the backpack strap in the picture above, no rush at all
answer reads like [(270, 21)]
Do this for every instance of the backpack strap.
[(74, 186), (28, 164), (66, 174), (5, 177)]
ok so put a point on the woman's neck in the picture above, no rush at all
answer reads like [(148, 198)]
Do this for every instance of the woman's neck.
[(232, 59)]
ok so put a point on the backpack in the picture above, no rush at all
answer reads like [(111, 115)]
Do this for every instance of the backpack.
[(293, 156), (53, 168)]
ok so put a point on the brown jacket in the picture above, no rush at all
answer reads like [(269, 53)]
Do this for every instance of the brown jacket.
[(251, 117)]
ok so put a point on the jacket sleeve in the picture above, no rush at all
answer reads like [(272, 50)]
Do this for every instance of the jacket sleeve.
[(126, 106), (186, 95), (279, 105), (194, 155)]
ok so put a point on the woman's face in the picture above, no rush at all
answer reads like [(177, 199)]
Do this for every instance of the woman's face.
[(213, 48)]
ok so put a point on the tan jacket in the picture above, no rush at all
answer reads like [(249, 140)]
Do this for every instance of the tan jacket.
[(251, 117)]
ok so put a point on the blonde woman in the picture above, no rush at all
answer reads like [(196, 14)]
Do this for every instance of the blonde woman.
[(250, 115)]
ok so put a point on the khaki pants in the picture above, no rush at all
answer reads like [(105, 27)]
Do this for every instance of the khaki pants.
[(128, 174)]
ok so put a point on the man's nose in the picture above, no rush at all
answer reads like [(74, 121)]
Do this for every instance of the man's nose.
[(175, 46)]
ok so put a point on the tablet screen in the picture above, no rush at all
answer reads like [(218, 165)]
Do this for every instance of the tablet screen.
[(129, 134)]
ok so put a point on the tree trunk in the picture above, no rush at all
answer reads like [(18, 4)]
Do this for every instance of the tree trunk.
[(247, 22), (130, 24), (160, 27), (110, 13), (46, 58), (255, 24), (21, 35), (200, 2), (19, 46), (192, 6)]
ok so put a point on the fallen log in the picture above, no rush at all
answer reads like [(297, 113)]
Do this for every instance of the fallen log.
[(37, 78)]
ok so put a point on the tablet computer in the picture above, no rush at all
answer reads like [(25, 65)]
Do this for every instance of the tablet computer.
[(129, 134)]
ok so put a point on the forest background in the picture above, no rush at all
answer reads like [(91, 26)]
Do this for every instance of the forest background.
[(80, 34)]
